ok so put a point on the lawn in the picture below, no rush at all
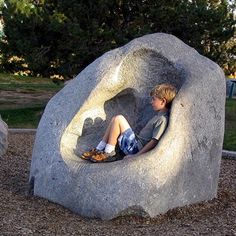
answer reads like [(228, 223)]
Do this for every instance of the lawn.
[(12, 82), (230, 125), (22, 117), (23, 99)]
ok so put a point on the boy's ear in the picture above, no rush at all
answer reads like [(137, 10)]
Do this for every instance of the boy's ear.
[(164, 101)]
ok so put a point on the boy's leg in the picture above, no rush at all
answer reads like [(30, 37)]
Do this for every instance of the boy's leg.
[(107, 132), (118, 125), (102, 144)]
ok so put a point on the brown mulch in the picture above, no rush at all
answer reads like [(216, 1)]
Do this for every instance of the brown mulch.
[(21, 214)]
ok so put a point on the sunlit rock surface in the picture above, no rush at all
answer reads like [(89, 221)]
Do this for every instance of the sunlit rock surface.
[(3, 137), (182, 169)]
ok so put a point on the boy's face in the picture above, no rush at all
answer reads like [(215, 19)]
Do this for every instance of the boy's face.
[(157, 103)]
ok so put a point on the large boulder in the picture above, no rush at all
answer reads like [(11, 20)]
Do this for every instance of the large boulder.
[(183, 168), (3, 137)]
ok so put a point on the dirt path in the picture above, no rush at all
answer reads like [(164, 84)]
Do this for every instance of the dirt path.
[(21, 98), (27, 215)]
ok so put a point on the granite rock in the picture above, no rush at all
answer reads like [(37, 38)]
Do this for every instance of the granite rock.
[(3, 137), (182, 169)]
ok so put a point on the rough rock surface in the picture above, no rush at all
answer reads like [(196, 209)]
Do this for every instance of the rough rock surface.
[(182, 169), (3, 137)]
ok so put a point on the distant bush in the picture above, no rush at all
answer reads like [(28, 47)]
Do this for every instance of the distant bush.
[(62, 37)]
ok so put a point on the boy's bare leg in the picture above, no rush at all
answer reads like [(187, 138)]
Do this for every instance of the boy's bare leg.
[(117, 126), (106, 135)]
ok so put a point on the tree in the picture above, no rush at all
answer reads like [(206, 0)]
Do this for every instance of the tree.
[(62, 37)]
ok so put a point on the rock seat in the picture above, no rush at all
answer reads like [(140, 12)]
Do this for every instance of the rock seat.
[(182, 169), (3, 137)]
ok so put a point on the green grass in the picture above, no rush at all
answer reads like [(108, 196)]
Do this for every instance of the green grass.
[(230, 125), (10, 78), (13, 82), (29, 87), (22, 117)]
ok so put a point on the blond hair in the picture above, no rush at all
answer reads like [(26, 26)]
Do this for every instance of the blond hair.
[(165, 91)]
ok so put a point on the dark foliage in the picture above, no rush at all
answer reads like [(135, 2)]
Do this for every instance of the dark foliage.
[(61, 37)]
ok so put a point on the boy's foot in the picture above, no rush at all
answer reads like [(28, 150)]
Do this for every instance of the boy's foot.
[(87, 155), (103, 157)]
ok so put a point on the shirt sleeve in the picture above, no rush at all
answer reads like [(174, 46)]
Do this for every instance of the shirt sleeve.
[(159, 128)]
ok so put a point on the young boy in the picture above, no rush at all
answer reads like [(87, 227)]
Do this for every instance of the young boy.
[(120, 131)]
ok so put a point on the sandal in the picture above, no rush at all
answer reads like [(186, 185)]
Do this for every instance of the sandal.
[(87, 155), (103, 157)]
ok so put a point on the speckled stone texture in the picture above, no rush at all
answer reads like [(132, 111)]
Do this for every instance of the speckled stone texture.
[(3, 137), (182, 169)]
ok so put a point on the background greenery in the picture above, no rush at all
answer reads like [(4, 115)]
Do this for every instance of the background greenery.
[(22, 117), (59, 38), (47, 37), (27, 83), (25, 114), (230, 125)]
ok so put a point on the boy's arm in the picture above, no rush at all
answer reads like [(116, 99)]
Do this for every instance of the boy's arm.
[(149, 146)]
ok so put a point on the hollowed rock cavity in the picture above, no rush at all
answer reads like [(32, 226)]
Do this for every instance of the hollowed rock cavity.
[(182, 169)]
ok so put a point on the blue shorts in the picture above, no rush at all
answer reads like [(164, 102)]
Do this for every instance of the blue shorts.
[(128, 143)]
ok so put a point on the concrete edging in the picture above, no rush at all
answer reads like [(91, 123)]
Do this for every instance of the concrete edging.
[(19, 131), (229, 154), (225, 153)]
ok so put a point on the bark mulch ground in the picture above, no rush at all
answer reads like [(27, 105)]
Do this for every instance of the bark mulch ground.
[(21, 214)]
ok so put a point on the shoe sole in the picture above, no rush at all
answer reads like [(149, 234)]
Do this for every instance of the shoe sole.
[(84, 158), (88, 157), (109, 159)]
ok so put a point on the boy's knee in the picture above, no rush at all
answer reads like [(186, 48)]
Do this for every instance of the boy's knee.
[(119, 117)]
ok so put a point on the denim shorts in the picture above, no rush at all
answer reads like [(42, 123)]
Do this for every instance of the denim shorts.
[(128, 142)]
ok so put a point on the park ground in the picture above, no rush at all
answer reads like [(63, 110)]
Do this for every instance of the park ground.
[(23, 214)]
